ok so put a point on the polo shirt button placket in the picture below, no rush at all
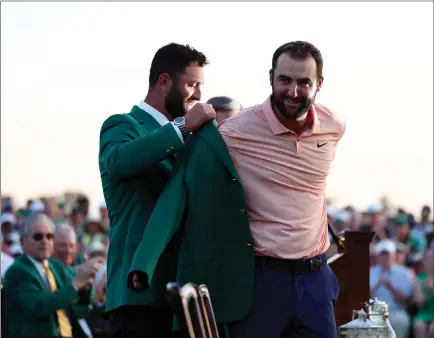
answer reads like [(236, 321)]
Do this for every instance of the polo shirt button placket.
[(297, 146)]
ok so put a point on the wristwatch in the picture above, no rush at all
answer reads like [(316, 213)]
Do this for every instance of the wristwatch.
[(180, 123)]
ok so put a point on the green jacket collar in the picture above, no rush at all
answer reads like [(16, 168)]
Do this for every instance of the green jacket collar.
[(211, 135), (27, 261), (144, 118)]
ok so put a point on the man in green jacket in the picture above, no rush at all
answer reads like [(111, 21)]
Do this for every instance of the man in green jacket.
[(65, 252), (136, 157), (216, 244), (40, 292)]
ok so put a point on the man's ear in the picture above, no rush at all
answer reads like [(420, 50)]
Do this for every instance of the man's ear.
[(165, 82), (319, 84), (271, 77)]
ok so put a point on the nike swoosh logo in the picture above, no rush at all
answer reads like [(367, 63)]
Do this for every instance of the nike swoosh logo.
[(321, 145)]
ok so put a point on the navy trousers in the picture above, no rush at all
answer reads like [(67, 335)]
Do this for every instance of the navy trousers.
[(287, 305)]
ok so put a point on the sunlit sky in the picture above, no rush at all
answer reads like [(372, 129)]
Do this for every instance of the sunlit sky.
[(65, 67)]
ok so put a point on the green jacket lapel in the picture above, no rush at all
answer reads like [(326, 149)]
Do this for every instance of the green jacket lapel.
[(35, 272), (211, 135), (148, 123)]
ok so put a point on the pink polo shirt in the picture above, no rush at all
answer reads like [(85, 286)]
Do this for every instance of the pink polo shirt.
[(284, 178)]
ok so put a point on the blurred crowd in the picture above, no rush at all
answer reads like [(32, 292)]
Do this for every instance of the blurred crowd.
[(401, 256), (79, 237), (401, 263)]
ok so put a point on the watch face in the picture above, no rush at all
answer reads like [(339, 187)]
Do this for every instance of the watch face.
[(179, 120)]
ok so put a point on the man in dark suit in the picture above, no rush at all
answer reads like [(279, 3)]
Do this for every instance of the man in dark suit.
[(135, 159), (39, 291)]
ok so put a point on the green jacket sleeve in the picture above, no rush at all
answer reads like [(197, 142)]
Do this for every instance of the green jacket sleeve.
[(125, 152), (22, 289), (162, 226)]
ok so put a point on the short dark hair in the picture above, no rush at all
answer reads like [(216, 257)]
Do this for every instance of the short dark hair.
[(300, 50), (173, 59), (223, 103), (426, 208), (82, 200)]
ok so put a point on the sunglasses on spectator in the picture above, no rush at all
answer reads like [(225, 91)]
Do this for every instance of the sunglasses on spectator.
[(39, 236)]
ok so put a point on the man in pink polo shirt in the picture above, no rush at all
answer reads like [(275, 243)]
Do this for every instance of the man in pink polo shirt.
[(283, 150)]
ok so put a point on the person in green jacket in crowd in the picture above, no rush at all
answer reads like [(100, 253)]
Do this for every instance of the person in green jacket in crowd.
[(39, 292)]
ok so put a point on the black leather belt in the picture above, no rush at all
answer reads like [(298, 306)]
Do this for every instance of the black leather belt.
[(295, 267)]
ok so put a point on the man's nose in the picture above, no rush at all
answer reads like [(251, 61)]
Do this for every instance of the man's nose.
[(293, 90), (197, 94)]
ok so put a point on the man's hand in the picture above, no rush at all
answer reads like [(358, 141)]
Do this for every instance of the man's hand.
[(86, 272), (198, 115), (138, 281), (384, 281)]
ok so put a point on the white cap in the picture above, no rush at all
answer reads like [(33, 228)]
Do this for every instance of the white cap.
[(8, 218), (374, 208), (343, 216), (14, 236), (385, 245), (37, 206), (16, 249), (93, 219), (97, 247)]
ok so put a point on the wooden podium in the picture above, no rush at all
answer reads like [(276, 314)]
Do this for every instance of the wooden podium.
[(351, 268)]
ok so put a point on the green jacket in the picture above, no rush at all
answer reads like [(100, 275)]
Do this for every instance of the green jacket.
[(134, 163), (203, 204), (30, 306)]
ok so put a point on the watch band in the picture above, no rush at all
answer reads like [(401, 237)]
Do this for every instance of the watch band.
[(183, 129), (180, 123)]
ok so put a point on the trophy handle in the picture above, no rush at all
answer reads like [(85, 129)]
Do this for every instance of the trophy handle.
[(186, 305), (207, 311)]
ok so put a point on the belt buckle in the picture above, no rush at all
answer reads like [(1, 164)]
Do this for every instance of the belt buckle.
[(311, 265), (315, 264)]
